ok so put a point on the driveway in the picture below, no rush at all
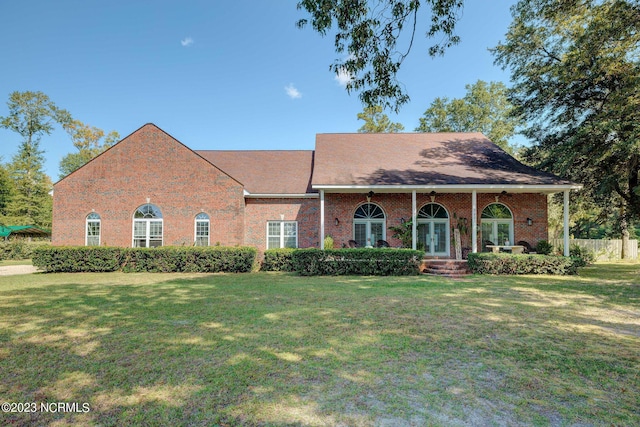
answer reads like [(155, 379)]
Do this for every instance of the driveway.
[(9, 270)]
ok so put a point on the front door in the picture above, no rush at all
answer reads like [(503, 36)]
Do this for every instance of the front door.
[(432, 235)]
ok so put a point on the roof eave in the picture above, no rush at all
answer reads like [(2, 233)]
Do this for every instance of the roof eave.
[(451, 188), (248, 195)]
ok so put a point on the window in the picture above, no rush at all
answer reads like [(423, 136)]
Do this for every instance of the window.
[(433, 229), (93, 229), (147, 227), (202, 229), (282, 234), (496, 223), (369, 225)]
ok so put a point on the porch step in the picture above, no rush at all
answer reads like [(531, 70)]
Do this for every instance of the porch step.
[(445, 267)]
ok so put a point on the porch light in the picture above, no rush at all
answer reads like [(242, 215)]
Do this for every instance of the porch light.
[(337, 222), (529, 222), (433, 196), (370, 195)]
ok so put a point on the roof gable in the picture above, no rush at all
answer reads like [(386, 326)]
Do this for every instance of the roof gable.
[(141, 142)]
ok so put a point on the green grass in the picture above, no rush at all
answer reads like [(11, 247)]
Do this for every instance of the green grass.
[(275, 349)]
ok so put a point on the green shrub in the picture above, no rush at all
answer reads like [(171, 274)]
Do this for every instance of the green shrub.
[(583, 256), (61, 259), (328, 242), (165, 259), (544, 247), (358, 261), (490, 263), (278, 259), (19, 249)]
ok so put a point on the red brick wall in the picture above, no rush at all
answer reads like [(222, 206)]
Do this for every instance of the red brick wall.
[(259, 211), (148, 164), (398, 206)]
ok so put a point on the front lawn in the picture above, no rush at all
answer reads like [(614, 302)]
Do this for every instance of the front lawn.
[(277, 349)]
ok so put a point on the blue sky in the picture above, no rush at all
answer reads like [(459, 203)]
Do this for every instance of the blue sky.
[(213, 74)]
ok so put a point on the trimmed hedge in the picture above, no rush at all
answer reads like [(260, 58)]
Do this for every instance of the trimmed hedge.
[(19, 249), (358, 261), (490, 263), (154, 260), (77, 259), (278, 259)]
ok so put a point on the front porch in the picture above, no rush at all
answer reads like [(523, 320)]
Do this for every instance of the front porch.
[(434, 216)]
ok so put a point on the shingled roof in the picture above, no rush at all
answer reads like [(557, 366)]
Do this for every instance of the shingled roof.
[(420, 159), (266, 171)]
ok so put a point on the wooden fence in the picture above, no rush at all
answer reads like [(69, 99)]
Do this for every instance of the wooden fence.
[(605, 250)]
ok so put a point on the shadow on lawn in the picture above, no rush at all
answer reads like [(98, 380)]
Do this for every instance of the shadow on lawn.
[(281, 350)]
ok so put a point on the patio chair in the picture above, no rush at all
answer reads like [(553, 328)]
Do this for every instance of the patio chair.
[(353, 244), (382, 244), (484, 245), (527, 247)]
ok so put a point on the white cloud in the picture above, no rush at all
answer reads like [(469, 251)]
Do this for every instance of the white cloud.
[(343, 77), (292, 92), (186, 42)]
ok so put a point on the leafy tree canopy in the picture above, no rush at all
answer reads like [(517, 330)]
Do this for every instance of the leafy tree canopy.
[(31, 115), (575, 68), (485, 108), (367, 34), (375, 121)]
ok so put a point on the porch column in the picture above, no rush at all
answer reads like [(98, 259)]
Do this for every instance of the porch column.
[(474, 222), (566, 222), (414, 220), (322, 219)]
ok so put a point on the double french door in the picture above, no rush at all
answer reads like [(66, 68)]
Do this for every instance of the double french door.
[(434, 235)]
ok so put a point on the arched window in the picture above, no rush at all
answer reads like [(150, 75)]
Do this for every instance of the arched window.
[(433, 229), (93, 229), (202, 229), (369, 225), (496, 223), (147, 227)]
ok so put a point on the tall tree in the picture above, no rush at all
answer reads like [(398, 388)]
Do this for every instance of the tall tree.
[(375, 121), (6, 193), (89, 140), (485, 108), (367, 35), (32, 115), (575, 66)]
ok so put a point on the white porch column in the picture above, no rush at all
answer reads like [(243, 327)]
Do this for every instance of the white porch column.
[(566, 222), (414, 220), (322, 219), (474, 222)]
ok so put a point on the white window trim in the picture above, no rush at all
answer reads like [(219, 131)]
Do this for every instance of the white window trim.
[(368, 221), (495, 221), (195, 229), (282, 236), (429, 221), (86, 229), (147, 222)]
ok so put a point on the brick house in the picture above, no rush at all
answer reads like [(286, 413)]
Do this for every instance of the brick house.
[(152, 190)]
